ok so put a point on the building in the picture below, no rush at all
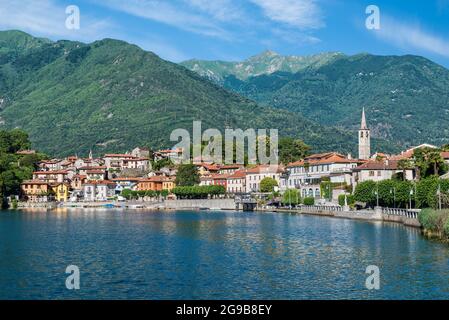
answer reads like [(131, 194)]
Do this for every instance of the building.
[(141, 152), (137, 163), (236, 182), (98, 190), (379, 171), (206, 169), (96, 174), (206, 180), (176, 155), (220, 180), (125, 183), (115, 161), (61, 191), (364, 139), (306, 175), (229, 169), (36, 191), (156, 183), (56, 176), (255, 175), (77, 182)]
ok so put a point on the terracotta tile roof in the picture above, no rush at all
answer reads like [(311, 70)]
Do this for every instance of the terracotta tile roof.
[(135, 179), (238, 174), (40, 182), (265, 169), (158, 179), (230, 166), (220, 176), (378, 165), (95, 171), (118, 155), (99, 182), (323, 158), (93, 168), (51, 172), (445, 154)]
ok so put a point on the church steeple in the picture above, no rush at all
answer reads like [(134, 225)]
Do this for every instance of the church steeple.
[(364, 139), (363, 124)]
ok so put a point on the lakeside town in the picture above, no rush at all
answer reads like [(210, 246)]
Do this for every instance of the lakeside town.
[(324, 179)]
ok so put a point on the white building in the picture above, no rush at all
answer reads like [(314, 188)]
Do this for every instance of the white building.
[(236, 182), (378, 171), (98, 190), (255, 175), (306, 175)]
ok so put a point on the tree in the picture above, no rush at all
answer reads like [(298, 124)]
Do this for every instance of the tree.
[(268, 184), (436, 161), (404, 165), (291, 196), (291, 150), (428, 161), (365, 192), (187, 175)]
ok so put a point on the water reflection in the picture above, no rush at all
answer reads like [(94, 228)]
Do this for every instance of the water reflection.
[(213, 255)]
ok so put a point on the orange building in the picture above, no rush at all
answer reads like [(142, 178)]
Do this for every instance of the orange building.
[(157, 183), (35, 190)]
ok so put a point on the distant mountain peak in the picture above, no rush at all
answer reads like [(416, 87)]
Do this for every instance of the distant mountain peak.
[(266, 62)]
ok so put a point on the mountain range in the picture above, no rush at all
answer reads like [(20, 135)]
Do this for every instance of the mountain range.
[(406, 97), (110, 96)]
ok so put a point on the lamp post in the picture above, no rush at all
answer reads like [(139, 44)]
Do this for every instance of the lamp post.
[(410, 198), (439, 196), (377, 193), (393, 191)]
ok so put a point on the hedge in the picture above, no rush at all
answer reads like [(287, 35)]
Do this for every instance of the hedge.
[(198, 192), (309, 201)]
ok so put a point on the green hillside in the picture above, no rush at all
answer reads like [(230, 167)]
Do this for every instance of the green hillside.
[(267, 62), (406, 97), (111, 96)]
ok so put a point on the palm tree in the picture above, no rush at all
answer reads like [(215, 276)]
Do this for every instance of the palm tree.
[(436, 160), (404, 165), (419, 158)]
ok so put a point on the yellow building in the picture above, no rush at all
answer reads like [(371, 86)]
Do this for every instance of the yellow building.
[(61, 191)]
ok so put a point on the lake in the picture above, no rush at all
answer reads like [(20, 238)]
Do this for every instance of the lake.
[(213, 255)]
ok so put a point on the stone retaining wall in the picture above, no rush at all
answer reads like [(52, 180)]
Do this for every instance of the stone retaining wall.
[(222, 204)]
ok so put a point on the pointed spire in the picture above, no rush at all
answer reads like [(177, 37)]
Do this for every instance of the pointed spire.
[(363, 124)]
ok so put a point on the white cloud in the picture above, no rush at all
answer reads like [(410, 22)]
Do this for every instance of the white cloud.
[(408, 35), (303, 14), (46, 18), (222, 10), (163, 12)]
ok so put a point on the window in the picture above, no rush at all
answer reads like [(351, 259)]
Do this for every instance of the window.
[(371, 173)]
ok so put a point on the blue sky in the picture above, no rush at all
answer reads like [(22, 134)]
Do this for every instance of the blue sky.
[(179, 30)]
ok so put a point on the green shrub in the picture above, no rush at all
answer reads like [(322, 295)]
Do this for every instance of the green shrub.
[(434, 220), (309, 201), (446, 228), (14, 203), (350, 199), (291, 196)]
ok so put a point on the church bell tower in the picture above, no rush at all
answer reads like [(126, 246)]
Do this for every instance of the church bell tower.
[(364, 139)]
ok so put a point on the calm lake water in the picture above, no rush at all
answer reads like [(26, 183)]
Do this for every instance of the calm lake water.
[(214, 255)]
